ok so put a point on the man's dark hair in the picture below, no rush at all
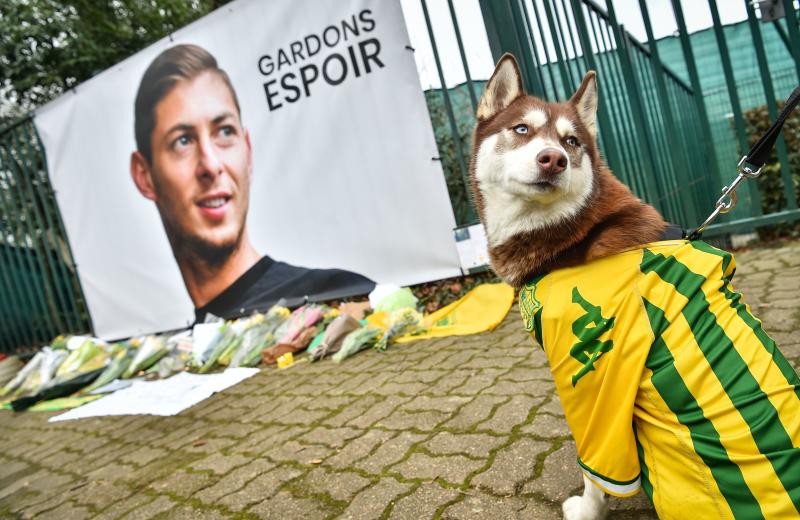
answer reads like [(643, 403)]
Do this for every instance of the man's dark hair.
[(182, 62)]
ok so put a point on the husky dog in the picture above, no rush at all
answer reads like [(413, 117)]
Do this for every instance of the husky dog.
[(667, 382)]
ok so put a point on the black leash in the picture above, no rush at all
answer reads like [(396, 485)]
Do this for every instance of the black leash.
[(756, 157)]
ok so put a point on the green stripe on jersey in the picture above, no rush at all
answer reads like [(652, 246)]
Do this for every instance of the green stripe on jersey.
[(646, 484), (737, 304), (742, 388), (705, 438)]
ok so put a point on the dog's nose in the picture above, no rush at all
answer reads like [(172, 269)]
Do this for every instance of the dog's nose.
[(552, 161)]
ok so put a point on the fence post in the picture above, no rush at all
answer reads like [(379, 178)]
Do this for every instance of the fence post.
[(794, 33), (637, 108), (603, 120), (471, 215), (682, 166), (697, 90), (502, 19), (453, 17), (769, 92), (738, 120), (29, 293)]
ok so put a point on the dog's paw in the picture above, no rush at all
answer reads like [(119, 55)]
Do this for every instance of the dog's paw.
[(580, 508)]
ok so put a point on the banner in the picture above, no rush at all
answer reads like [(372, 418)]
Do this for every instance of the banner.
[(331, 143)]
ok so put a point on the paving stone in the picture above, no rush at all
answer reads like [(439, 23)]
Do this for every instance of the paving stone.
[(36, 508), (358, 448), (377, 411), (235, 430), (111, 472), (423, 502), (783, 320), (65, 511), (331, 402), (143, 456), (264, 485), (156, 506), (552, 407), (511, 414), (265, 438), (374, 500), (352, 410), (208, 445), (183, 483), (284, 506), (332, 437), (438, 404), (99, 494), (474, 412), (372, 384), (638, 502), (484, 362), (472, 444), (340, 485), (480, 506), (512, 466), (547, 426), (389, 452), (423, 421), (561, 477), (479, 380), (293, 451), (447, 384), (121, 507), (527, 374), (190, 513), (234, 481), (219, 463), (451, 468), (49, 480), (401, 389), (159, 468)]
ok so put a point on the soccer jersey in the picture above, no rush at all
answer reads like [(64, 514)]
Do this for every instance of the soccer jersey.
[(669, 383)]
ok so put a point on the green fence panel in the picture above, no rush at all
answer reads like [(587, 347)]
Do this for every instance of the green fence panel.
[(39, 287)]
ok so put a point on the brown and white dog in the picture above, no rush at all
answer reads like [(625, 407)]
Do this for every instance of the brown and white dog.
[(538, 179), (545, 196), (689, 357)]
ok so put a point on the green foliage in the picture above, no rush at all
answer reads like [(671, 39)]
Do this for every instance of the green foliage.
[(770, 184), (49, 46), (448, 151)]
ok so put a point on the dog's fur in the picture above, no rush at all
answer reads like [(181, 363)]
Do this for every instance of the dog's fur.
[(538, 219), (578, 215)]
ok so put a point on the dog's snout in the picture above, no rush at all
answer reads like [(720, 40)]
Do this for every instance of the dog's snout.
[(552, 161)]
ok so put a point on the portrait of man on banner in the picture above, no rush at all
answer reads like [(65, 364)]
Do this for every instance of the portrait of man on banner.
[(194, 160)]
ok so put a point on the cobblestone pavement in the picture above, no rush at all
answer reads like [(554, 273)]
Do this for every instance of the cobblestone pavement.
[(461, 428)]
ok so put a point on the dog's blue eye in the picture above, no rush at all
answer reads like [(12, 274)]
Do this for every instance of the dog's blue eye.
[(521, 129), (572, 141)]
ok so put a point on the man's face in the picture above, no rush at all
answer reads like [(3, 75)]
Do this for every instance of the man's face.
[(201, 167)]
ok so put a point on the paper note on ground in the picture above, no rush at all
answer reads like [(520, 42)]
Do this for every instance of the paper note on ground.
[(166, 397)]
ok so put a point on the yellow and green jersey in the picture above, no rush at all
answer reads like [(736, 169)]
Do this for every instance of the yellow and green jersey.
[(669, 383)]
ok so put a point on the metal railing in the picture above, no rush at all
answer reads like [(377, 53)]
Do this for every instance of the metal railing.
[(40, 295), (655, 129)]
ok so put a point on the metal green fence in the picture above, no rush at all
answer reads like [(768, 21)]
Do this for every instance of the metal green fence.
[(40, 295), (656, 129)]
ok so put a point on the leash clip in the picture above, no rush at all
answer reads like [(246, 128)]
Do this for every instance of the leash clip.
[(744, 168)]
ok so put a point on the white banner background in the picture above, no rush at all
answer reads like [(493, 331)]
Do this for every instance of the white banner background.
[(343, 178)]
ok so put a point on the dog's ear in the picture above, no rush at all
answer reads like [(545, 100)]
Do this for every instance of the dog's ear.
[(585, 101), (504, 86)]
